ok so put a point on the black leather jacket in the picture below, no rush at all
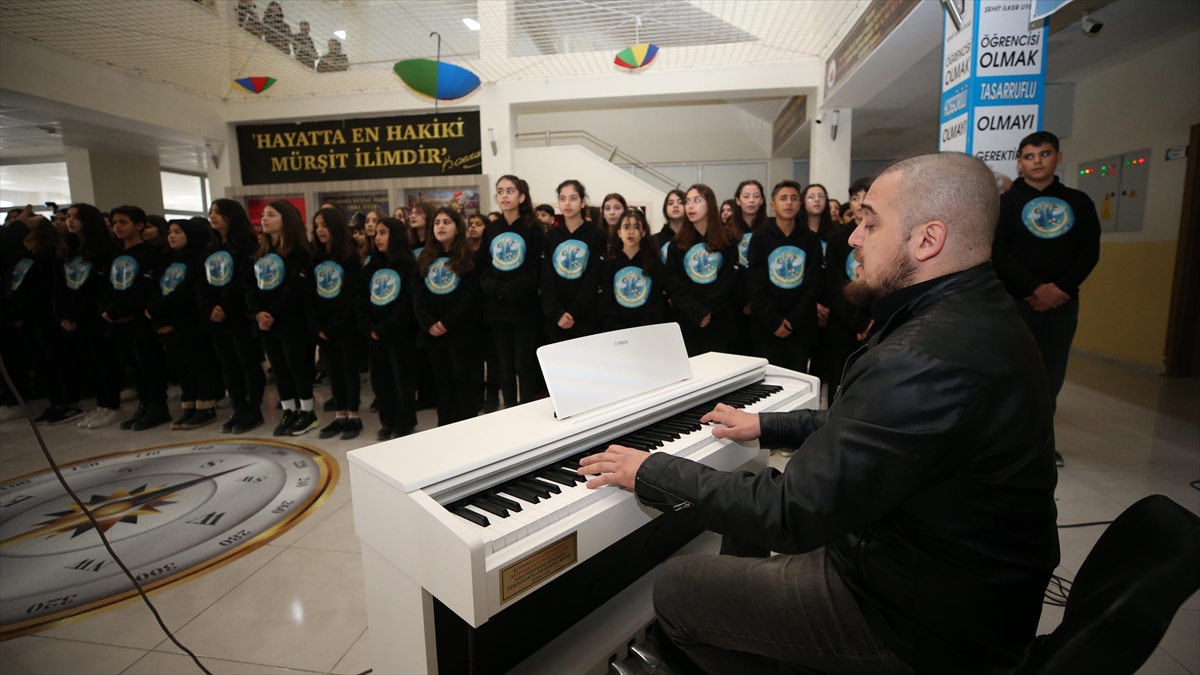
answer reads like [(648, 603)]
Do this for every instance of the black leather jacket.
[(930, 480)]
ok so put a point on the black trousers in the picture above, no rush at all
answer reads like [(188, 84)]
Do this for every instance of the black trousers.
[(426, 382), (516, 356), (292, 362), (711, 338), (241, 362), (836, 349), (1054, 330), (393, 378), (140, 352), (790, 352), (52, 359), (16, 361), (341, 363), (98, 354), (192, 357), (458, 367)]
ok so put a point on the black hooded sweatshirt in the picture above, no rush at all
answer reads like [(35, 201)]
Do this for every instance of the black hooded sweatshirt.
[(279, 286), (131, 276), (172, 297), (509, 263), (1045, 236), (81, 288), (384, 303), (571, 274), (331, 301), (845, 318), (632, 292), (701, 282), (785, 279), (29, 288), (227, 275), (452, 298)]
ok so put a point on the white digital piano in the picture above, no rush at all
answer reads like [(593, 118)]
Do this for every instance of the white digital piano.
[(483, 550)]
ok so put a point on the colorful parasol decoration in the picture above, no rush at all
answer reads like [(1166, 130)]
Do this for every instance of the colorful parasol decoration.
[(255, 85), (637, 56), (436, 79)]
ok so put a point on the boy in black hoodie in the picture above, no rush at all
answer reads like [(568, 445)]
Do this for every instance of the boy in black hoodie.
[(131, 276), (1047, 243), (173, 310)]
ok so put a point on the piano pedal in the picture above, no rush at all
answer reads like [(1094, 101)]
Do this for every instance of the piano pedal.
[(647, 653)]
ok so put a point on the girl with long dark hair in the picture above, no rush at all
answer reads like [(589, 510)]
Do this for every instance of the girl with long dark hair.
[(700, 275), (420, 219), (336, 273), (221, 296), (86, 252), (276, 302), (385, 317), (446, 301), (612, 207), (749, 214), (571, 271), (509, 261), (632, 292), (674, 216)]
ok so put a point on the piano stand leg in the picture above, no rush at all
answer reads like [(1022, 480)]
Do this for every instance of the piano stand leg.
[(400, 616)]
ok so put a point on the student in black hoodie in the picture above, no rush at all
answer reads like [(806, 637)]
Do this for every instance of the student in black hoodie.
[(848, 323), (632, 288), (673, 217), (28, 309), (221, 299), (509, 264), (700, 275), (173, 311), (785, 280), (86, 252), (571, 268), (748, 216), (385, 317), (276, 303), (446, 301), (331, 317), (130, 278), (1047, 243)]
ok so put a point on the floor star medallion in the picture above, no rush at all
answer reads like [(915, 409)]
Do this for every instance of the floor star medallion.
[(172, 512)]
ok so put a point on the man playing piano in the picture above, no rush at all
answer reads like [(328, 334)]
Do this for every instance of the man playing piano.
[(915, 527)]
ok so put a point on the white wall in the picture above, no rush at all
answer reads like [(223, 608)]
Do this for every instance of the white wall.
[(1148, 101), (545, 168)]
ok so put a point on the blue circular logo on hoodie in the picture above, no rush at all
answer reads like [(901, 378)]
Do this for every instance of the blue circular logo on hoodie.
[(571, 259), (123, 273), (701, 264), (329, 279), (1048, 217), (385, 287), (268, 272), (663, 252), (785, 267), (744, 248), (218, 269), (852, 267), (172, 277), (440, 279), (631, 287), (508, 251), (77, 272), (19, 271)]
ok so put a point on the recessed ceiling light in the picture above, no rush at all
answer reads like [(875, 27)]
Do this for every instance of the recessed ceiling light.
[(341, 34), (471, 23)]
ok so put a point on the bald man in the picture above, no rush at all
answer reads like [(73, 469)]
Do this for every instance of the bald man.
[(914, 530)]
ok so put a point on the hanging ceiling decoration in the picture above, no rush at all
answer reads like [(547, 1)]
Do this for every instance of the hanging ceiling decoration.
[(442, 81), (637, 56), (255, 85)]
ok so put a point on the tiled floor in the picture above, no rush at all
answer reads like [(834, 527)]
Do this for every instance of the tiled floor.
[(296, 605)]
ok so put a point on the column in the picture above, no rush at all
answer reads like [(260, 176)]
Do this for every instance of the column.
[(110, 179), (496, 116), (830, 165)]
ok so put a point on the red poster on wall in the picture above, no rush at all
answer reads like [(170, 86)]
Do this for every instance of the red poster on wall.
[(255, 208)]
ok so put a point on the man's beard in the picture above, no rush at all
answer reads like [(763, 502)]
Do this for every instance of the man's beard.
[(897, 273)]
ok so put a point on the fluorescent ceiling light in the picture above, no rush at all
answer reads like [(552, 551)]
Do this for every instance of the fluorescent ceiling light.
[(341, 34), (471, 23)]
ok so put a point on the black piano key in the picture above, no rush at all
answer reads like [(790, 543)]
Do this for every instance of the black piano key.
[(670, 425), (572, 475), (528, 484), (540, 482), (522, 493), (660, 435), (470, 515), (502, 501), (551, 475), (485, 505)]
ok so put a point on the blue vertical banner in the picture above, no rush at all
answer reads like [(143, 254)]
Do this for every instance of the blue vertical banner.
[(993, 81)]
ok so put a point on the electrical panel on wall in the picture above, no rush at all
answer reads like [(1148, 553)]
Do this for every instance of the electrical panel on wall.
[(1118, 186)]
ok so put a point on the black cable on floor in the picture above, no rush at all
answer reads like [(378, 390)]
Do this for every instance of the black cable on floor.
[(1195, 484), (1098, 522), (1057, 591), (92, 519)]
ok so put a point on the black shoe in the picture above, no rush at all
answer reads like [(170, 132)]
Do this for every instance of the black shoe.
[(231, 423), (352, 428), (46, 414), (154, 417), (403, 431), (1058, 460), (375, 406), (305, 421), (62, 415), (251, 419), (328, 407), (138, 414), (384, 434), (321, 381), (491, 398), (285, 422), (201, 418), (183, 419), (333, 428)]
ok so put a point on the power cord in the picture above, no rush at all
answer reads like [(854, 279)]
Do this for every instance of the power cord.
[(1195, 484), (1059, 588), (92, 519)]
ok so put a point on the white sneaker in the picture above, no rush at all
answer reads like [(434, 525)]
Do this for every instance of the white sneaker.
[(105, 417), (10, 412), (91, 415)]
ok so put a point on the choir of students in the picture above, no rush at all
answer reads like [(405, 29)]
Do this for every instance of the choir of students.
[(441, 307)]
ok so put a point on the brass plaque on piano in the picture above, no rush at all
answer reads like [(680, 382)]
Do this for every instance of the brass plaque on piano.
[(541, 564)]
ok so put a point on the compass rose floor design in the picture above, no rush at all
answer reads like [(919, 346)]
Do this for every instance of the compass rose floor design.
[(296, 603)]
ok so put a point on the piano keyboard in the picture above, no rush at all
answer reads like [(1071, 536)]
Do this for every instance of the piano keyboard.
[(513, 510)]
